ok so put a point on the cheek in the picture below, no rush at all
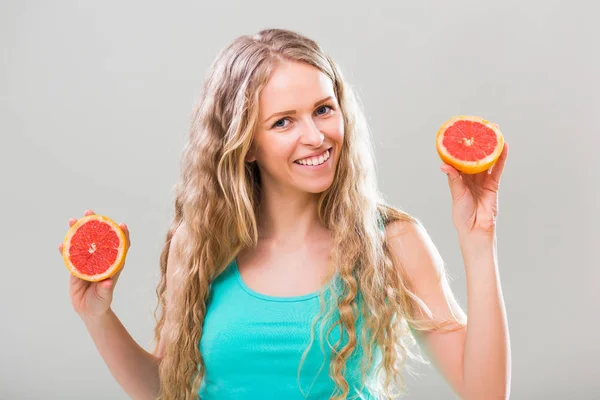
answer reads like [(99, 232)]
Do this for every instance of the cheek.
[(276, 151), (335, 129)]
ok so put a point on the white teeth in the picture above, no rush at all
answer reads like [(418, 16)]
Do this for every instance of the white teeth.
[(314, 160)]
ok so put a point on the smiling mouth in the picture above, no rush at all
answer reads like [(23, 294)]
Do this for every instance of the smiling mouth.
[(315, 160)]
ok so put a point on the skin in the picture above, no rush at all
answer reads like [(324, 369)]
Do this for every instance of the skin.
[(92, 297), (476, 362), (292, 255)]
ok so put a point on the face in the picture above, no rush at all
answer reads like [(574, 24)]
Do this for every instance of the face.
[(300, 129)]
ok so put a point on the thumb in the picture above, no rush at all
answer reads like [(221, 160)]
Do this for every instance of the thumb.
[(104, 289), (455, 182)]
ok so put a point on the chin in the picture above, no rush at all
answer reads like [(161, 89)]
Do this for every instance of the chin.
[(316, 188)]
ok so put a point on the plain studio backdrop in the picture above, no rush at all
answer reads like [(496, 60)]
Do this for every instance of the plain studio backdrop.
[(95, 105)]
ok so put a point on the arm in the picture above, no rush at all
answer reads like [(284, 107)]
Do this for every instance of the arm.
[(487, 348), (475, 362), (135, 369)]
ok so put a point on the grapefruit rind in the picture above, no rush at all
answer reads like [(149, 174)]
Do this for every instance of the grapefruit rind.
[(122, 250), (469, 167)]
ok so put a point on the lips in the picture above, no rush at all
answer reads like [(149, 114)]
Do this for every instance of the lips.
[(316, 154)]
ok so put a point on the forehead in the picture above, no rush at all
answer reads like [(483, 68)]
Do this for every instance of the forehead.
[(294, 85)]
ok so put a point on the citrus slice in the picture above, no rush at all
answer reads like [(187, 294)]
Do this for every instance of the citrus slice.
[(469, 144), (95, 248)]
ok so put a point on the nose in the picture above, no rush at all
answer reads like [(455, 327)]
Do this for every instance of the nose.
[(311, 135)]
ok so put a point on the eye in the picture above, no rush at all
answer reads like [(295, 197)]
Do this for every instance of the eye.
[(278, 124), (324, 107), (322, 110)]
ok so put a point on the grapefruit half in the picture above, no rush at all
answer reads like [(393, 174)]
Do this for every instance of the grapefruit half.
[(469, 144), (95, 248)]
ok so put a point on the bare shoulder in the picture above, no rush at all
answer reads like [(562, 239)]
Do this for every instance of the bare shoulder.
[(418, 259), (414, 250), (420, 262)]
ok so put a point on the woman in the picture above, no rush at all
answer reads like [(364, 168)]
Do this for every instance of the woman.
[(284, 274)]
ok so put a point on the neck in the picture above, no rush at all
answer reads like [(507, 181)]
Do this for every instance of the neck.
[(288, 218)]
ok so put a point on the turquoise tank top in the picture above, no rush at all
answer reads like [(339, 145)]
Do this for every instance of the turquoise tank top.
[(252, 345)]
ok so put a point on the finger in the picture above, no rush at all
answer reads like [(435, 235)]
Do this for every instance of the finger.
[(107, 284), (77, 283), (115, 277), (450, 171), (104, 288), (455, 181), (60, 248), (87, 212), (498, 167), (126, 231)]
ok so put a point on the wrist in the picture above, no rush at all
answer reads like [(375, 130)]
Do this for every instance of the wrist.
[(473, 240), (95, 318), (477, 247)]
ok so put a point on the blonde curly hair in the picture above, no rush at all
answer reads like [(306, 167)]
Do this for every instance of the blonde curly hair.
[(216, 201)]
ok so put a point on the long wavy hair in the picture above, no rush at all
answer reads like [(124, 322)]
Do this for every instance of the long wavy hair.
[(216, 201)]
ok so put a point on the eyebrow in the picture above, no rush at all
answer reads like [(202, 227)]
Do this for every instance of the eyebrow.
[(294, 111)]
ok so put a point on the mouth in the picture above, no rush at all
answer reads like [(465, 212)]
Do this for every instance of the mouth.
[(317, 161)]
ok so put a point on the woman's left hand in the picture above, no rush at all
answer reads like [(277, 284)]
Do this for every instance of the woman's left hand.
[(475, 197)]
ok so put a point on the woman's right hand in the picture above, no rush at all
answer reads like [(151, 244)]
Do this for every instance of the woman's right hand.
[(91, 299)]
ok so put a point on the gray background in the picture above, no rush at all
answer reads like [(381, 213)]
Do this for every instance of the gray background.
[(95, 105)]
